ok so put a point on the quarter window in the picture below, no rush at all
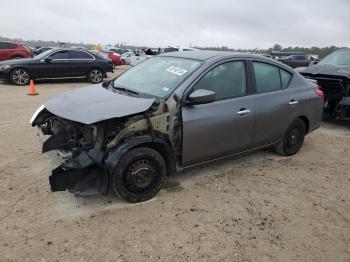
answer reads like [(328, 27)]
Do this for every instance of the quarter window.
[(227, 80)]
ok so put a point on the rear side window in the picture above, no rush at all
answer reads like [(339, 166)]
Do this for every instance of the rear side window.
[(227, 80), (267, 77), (60, 55), (79, 55), (285, 78), (4, 45), (270, 78)]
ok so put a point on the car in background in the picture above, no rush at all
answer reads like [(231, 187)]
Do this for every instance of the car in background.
[(115, 57), (13, 50), (295, 61), (40, 50), (56, 63), (126, 57), (282, 56), (177, 49), (171, 112), (116, 50), (332, 73)]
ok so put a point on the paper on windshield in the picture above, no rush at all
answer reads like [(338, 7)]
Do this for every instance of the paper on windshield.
[(176, 70)]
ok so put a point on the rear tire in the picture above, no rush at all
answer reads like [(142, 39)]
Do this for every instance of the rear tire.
[(139, 175), (292, 140), (95, 76), (19, 76)]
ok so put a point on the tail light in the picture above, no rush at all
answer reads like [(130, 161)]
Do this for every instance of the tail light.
[(319, 91)]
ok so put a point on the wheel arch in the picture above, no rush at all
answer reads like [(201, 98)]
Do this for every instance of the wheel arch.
[(157, 144), (20, 67), (306, 122)]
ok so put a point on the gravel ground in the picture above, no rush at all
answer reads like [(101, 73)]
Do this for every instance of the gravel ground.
[(257, 207)]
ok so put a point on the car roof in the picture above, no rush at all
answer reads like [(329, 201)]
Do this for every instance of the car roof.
[(206, 55)]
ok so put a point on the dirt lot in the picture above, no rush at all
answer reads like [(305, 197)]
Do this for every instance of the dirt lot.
[(260, 207)]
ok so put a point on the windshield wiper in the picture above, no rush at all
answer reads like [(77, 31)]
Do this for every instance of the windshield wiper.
[(126, 90)]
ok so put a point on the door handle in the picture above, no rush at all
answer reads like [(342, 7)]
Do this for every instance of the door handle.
[(243, 112), (293, 102)]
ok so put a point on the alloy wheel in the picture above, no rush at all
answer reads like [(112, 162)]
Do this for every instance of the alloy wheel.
[(20, 77), (96, 76)]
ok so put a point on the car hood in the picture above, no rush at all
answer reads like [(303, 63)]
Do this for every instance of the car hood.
[(94, 104), (332, 70), (21, 61)]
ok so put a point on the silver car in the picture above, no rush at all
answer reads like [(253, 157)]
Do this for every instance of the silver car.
[(170, 112)]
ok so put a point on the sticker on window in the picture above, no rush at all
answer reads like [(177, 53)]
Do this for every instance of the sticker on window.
[(165, 89), (176, 70)]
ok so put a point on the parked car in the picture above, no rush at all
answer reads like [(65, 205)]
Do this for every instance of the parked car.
[(56, 63), (41, 50), (125, 57), (174, 111), (13, 50), (333, 75), (297, 61), (177, 49), (115, 57)]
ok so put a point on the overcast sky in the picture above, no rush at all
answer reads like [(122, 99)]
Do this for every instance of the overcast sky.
[(232, 23)]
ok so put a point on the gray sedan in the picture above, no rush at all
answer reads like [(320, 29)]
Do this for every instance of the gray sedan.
[(170, 112)]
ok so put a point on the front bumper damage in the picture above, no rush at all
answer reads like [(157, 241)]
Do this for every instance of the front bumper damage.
[(83, 174)]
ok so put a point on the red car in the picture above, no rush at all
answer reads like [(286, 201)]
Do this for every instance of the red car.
[(115, 57), (13, 50)]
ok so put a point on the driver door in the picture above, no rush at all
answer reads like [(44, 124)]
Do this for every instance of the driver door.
[(224, 126)]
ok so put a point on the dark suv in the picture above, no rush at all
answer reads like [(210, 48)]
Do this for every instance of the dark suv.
[(13, 50), (297, 61)]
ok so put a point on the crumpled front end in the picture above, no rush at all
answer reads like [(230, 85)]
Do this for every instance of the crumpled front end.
[(78, 150)]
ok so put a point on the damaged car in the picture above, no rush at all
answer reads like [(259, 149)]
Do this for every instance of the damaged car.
[(333, 75), (171, 112)]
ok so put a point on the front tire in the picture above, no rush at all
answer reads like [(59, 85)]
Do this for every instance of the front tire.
[(139, 175), (19, 76), (95, 76), (292, 140)]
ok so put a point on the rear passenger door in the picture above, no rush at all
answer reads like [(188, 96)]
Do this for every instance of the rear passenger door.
[(275, 103), (80, 63)]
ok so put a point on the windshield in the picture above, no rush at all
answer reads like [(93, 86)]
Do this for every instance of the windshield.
[(337, 58), (44, 54), (157, 76)]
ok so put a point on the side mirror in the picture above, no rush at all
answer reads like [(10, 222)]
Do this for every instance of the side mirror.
[(201, 96), (48, 60), (106, 83)]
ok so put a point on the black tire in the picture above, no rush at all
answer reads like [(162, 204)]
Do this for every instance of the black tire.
[(292, 140), (114, 65), (123, 62), (95, 76), (17, 57), (139, 175), (19, 76)]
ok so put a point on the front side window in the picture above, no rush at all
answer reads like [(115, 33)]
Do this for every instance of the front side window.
[(227, 80), (157, 76)]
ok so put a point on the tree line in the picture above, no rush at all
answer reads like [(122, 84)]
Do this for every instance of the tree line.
[(320, 51)]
